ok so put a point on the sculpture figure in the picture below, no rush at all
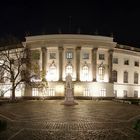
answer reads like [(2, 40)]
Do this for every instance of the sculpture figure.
[(69, 95)]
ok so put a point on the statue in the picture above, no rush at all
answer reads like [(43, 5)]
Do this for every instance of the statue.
[(68, 81), (69, 95)]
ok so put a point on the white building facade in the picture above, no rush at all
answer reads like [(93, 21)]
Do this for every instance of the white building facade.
[(99, 66)]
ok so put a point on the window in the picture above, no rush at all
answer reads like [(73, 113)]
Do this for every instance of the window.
[(35, 92), (115, 60), (52, 55), (102, 92), (125, 93), (115, 93), (86, 56), (114, 76), (135, 94), (136, 64), (101, 73), (101, 57), (86, 92), (125, 77), (69, 55), (126, 62), (52, 72), (85, 73), (50, 92), (69, 70), (35, 54), (136, 77)]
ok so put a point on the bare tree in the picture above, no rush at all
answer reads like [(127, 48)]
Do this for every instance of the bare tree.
[(12, 67)]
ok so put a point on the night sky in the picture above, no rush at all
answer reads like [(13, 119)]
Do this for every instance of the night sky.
[(22, 17)]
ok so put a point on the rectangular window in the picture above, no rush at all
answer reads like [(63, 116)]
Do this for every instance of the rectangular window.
[(136, 77), (69, 55), (126, 62), (86, 56), (52, 55), (35, 54), (86, 92), (125, 93), (101, 73), (115, 93), (35, 92), (102, 92), (136, 64), (135, 94), (125, 77), (50, 92), (114, 76), (115, 60), (101, 57)]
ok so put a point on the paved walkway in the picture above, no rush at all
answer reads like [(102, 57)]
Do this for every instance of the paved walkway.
[(90, 120)]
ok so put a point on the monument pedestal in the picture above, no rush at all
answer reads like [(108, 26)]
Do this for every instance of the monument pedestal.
[(69, 95), (69, 98)]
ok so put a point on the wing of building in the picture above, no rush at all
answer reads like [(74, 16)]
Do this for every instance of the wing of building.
[(99, 66)]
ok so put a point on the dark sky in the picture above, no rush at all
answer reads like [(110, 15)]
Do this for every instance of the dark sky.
[(122, 18)]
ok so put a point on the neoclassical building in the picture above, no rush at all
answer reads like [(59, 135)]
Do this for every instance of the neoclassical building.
[(99, 66)]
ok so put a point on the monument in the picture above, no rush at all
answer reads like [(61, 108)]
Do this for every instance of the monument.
[(69, 93)]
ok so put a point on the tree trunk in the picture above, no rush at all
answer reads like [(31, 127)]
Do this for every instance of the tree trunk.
[(13, 92)]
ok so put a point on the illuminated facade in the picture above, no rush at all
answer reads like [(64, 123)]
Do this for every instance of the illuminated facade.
[(99, 66)]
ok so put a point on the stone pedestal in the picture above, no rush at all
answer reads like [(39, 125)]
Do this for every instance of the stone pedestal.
[(69, 94)]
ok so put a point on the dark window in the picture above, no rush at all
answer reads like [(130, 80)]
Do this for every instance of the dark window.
[(125, 77), (135, 94), (136, 63), (115, 93), (101, 57), (86, 56), (125, 93), (114, 76), (115, 60), (52, 55), (136, 77), (126, 62), (35, 54)]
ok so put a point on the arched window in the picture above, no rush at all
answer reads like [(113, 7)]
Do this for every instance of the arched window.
[(125, 77), (101, 73), (114, 76), (136, 77), (69, 69), (85, 73), (52, 72)]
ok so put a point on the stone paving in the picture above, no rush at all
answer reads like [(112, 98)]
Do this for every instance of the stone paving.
[(89, 120)]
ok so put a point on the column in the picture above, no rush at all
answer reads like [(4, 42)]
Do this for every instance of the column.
[(78, 49), (44, 61), (94, 65), (110, 57), (60, 63)]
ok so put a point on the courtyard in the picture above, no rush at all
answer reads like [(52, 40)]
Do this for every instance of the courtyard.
[(89, 120)]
